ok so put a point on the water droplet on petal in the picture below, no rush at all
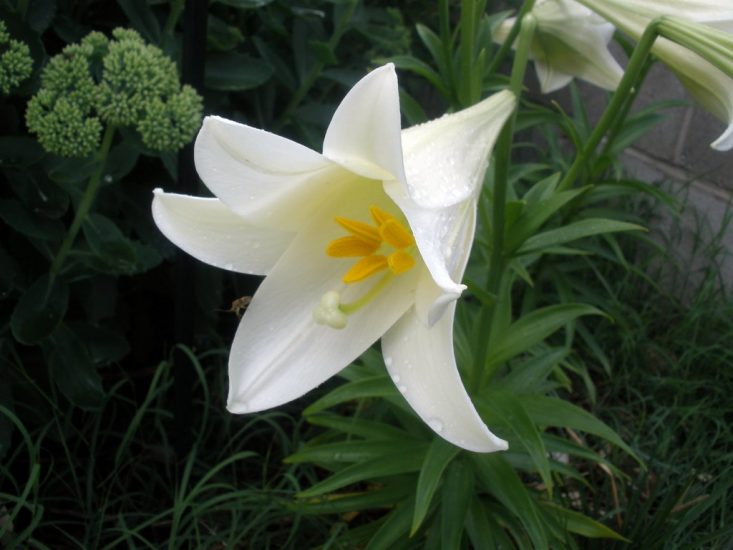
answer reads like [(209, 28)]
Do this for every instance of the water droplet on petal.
[(256, 245), (395, 378), (436, 424), (229, 267), (388, 361), (402, 388)]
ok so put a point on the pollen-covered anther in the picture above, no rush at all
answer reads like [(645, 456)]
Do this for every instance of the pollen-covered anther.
[(394, 233), (400, 261), (351, 247), (366, 240), (367, 266)]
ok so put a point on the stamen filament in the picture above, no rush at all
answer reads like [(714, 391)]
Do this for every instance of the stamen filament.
[(355, 306)]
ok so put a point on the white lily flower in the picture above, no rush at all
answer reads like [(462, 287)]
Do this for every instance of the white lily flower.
[(570, 41), (710, 86), (367, 240)]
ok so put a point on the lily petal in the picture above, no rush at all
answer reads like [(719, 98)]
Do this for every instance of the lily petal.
[(279, 352), (431, 299), (422, 365), (265, 178), (445, 163), (209, 231), (364, 134)]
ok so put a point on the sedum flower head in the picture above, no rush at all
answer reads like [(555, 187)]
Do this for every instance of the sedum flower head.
[(16, 63), (62, 112), (121, 82)]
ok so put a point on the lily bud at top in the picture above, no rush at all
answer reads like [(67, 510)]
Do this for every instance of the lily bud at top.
[(712, 88), (570, 42)]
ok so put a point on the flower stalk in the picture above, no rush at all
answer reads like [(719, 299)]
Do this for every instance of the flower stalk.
[(628, 83), (501, 170), (85, 204)]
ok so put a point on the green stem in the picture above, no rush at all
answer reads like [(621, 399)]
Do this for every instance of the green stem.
[(173, 16), (613, 132), (509, 42), (85, 203), (497, 261), (21, 8), (468, 39), (310, 79), (618, 100)]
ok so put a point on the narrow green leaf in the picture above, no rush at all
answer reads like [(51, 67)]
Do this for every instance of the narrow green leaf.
[(142, 19), (384, 466), (500, 480), (378, 386), (351, 451), (455, 499), (552, 411), (574, 231), (393, 529), (535, 215), (439, 455), (420, 68), (580, 524), (339, 503), (533, 328), (357, 426), (514, 417), (434, 45), (526, 377)]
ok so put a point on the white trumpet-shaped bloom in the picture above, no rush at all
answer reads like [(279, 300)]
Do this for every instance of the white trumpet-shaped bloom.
[(570, 41), (368, 240), (710, 86)]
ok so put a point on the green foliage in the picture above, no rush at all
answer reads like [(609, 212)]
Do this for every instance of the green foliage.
[(555, 304), (16, 63)]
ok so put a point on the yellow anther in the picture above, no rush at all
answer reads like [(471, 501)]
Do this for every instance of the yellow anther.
[(388, 236), (395, 234), (367, 266), (379, 216), (400, 261), (351, 247), (360, 230)]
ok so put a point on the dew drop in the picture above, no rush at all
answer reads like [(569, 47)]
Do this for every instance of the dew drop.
[(388, 361), (402, 388), (436, 424), (107, 179), (229, 267), (256, 245), (395, 378)]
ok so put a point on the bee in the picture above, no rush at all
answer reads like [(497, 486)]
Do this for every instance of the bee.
[(239, 306)]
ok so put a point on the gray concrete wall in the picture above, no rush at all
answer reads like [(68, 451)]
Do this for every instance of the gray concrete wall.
[(676, 154)]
